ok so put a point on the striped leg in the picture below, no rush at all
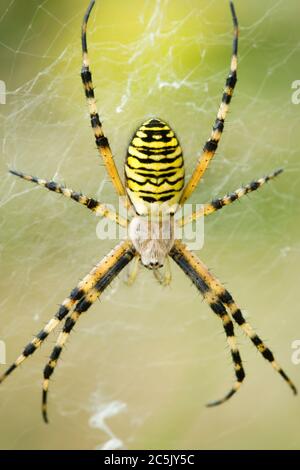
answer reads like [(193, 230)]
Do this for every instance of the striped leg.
[(211, 145), (219, 203), (226, 299), (101, 141), (90, 203), (196, 271), (84, 286), (110, 267), (249, 331)]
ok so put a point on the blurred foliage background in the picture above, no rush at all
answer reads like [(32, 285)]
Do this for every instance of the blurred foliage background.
[(141, 364)]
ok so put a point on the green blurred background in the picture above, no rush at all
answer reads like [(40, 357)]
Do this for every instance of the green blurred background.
[(141, 364)]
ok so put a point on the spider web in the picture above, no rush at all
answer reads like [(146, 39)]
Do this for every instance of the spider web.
[(143, 362)]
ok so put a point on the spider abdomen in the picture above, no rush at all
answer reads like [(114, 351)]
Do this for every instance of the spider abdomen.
[(154, 167)]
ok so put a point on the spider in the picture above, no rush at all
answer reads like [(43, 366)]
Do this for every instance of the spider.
[(154, 182)]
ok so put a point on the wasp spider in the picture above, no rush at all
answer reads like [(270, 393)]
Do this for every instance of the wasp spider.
[(154, 178)]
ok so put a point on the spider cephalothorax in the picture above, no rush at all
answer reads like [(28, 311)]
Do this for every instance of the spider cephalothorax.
[(153, 238), (154, 189)]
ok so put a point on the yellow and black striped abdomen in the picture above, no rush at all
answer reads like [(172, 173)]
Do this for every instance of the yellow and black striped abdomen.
[(154, 168)]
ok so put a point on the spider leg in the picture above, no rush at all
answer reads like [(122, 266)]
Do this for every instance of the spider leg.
[(211, 145), (84, 286), (109, 268), (92, 204), (219, 203), (196, 271), (226, 299), (133, 272), (101, 141), (238, 317)]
